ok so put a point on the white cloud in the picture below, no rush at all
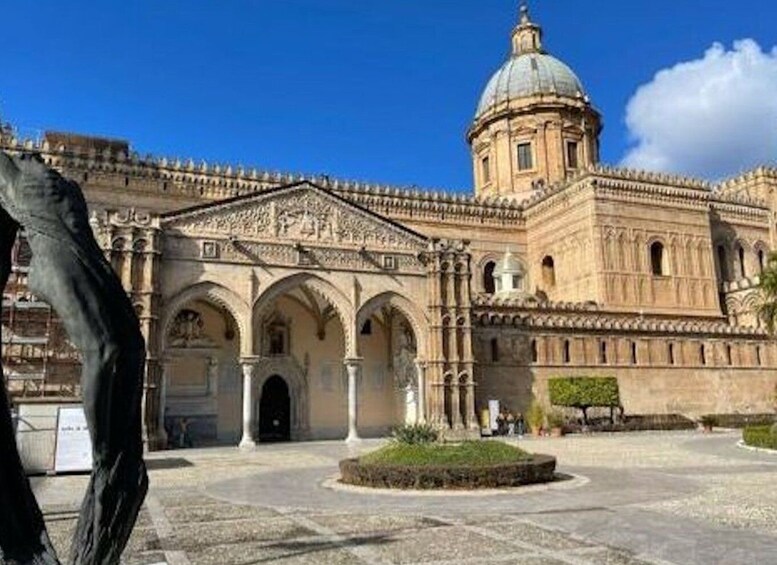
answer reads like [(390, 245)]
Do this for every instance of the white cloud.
[(712, 117)]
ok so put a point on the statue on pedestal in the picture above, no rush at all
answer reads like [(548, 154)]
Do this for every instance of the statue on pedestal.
[(69, 271)]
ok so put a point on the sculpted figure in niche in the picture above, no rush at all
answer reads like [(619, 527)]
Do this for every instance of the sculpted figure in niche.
[(69, 271), (404, 360)]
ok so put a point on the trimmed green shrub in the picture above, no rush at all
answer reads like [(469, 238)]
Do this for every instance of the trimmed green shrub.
[(584, 392), (556, 418), (745, 420), (414, 434), (533, 469), (635, 423), (468, 453), (760, 436), (535, 416)]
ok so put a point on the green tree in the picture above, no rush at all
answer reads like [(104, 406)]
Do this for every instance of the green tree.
[(767, 309)]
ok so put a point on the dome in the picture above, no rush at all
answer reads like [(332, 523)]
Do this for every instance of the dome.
[(529, 74), (508, 264)]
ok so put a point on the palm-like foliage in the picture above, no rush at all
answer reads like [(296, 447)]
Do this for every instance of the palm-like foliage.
[(767, 309)]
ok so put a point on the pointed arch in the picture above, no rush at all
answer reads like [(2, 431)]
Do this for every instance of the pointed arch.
[(321, 287), (216, 294)]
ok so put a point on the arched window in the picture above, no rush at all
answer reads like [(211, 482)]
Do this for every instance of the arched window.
[(729, 357), (138, 266), (761, 260), (23, 253), (671, 354), (488, 278), (633, 352), (758, 358), (548, 272), (485, 163), (494, 350), (657, 258), (741, 257), (603, 352), (723, 262), (117, 256), (534, 354), (702, 354), (566, 352)]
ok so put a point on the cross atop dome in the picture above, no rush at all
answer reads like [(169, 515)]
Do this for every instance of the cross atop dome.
[(527, 36), (524, 11)]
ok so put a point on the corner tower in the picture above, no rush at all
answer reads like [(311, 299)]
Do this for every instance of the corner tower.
[(534, 124)]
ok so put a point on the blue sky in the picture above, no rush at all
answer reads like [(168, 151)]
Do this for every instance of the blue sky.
[(361, 89)]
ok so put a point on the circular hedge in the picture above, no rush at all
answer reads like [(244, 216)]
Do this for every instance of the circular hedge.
[(764, 437), (537, 469)]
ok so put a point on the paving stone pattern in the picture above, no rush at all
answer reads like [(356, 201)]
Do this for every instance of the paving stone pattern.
[(226, 507)]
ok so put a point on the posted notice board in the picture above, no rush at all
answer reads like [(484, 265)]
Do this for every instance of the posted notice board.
[(73, 451)]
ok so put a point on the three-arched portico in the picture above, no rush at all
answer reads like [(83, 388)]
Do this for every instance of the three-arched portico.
[(346, 368)]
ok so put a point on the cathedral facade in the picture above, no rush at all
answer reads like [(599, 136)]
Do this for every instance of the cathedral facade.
[(284, 307)]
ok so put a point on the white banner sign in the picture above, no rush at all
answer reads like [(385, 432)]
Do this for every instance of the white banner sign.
[(493, 412), (74, 446)]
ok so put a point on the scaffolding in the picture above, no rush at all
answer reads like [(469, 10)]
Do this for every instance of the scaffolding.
[(38, 359)]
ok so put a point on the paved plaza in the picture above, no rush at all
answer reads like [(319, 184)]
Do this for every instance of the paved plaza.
[(627, 499)]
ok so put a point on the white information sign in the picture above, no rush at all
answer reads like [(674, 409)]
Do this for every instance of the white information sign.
[(493, 412), (74, 446)]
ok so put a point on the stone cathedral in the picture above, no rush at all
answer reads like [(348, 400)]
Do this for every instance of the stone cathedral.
[(284, 307)]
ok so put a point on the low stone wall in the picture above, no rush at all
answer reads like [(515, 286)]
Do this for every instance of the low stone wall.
[(691, 391), (538, 469)]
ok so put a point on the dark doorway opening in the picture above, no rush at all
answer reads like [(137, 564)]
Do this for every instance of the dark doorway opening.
[(275, 411)]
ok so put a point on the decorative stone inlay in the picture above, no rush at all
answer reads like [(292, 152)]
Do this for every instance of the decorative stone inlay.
[(287, 255)]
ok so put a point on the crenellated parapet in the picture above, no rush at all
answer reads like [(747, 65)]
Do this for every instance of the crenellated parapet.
[(116, 167), (741, 183), (589, 318)]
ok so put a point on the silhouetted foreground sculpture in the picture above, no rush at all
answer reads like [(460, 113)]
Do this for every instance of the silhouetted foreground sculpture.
[(69, 271)]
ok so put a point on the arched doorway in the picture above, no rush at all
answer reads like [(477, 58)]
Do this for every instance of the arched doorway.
[(201, 388), (275, 411), (300, 332)]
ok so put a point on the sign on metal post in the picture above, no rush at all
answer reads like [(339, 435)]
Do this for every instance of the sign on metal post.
[(73, 452)]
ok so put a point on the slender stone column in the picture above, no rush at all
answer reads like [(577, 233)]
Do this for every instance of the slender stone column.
[(353, 366), (247, 442), (421, 378), (163, 380), (456, 422)]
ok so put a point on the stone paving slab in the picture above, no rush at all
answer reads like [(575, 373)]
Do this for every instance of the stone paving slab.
[(653, 498), (313, 551), (452, 543), (533, 535), (215, 513), (609, 556), (372, 524), (199, 535)]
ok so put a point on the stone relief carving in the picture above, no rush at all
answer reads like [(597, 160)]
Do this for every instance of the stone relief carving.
[(303, 214), (188, 331)]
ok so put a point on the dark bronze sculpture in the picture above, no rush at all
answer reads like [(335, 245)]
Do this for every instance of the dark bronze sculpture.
[(69, 271)]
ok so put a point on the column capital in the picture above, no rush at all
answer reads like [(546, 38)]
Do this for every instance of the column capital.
[(248, 369), (249, 359)]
